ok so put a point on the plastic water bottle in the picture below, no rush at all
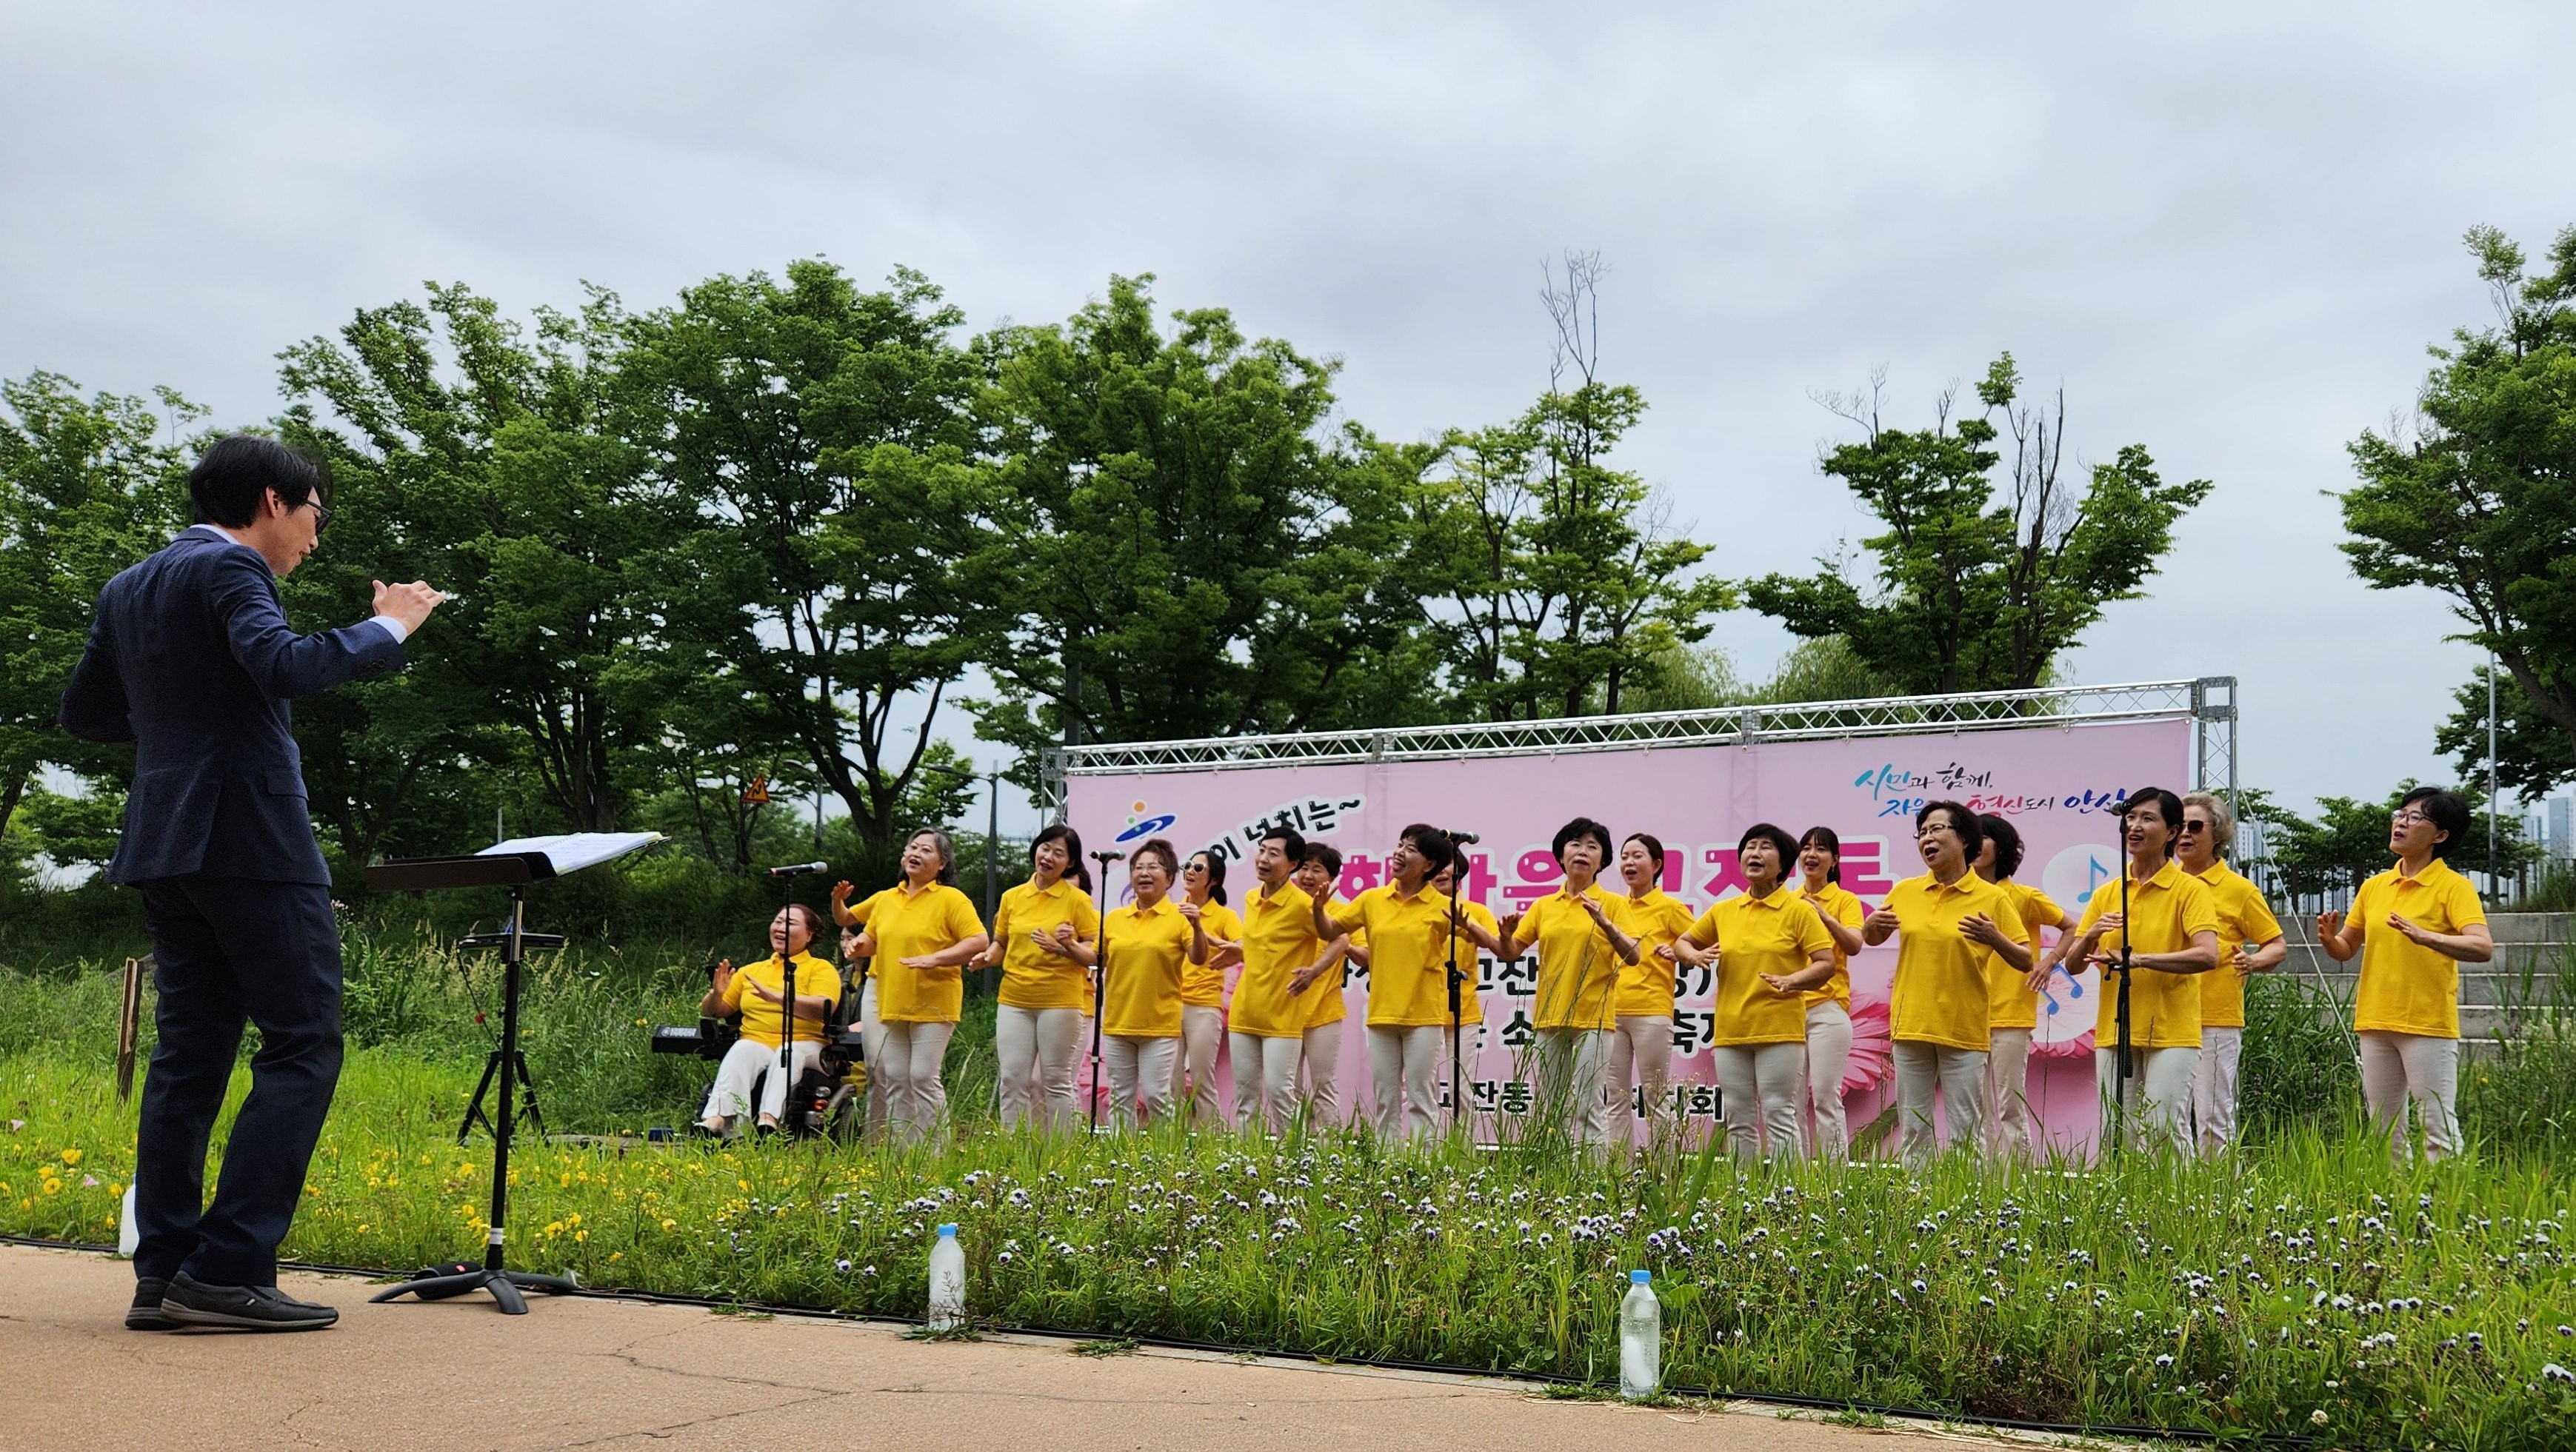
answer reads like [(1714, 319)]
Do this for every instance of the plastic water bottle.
[(129, 1235), (947, 1281), (1641, 1340)]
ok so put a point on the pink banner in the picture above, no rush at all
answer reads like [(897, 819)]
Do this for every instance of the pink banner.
[(2059, 784)]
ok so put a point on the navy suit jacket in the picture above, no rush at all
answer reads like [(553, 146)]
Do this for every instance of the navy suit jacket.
[(191, 659)]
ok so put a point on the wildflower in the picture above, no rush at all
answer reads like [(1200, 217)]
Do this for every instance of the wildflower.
[(2318, 1416), (71, 1157)]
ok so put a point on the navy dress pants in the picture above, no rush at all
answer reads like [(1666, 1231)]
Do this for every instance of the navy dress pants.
[(230, 950)]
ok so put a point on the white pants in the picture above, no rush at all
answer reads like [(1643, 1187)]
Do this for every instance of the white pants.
[(1641, 1052), (1138, 1068), (1574, 1080), (1402, 1062), (730, 1098), (1035, 1052), (2159, 1108), (872, 1049), (1265, 1080), (1323, 1059), (910, 1058), (1829, 1039), (2397, 1067), (2008, 1092), (1759, 1088), (1202, 1029), (1957, 1077), (2214, 1088)]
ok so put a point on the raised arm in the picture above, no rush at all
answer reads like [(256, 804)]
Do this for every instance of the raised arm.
[(243, 595)]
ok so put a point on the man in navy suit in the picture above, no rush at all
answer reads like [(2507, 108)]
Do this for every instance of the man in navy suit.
[(191, 659)]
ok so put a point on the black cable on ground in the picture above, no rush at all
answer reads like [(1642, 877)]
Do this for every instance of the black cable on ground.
[(1176, 1343)]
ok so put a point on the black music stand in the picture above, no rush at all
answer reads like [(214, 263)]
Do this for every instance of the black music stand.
[(512, 870)]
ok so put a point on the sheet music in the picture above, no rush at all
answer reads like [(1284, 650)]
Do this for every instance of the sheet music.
[(573, 851)]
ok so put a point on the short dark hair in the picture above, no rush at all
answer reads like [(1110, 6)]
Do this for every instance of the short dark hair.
[(2450, 816), (2168, 806), (1324, 853), (1828, 839), (1577, 830), (1292, 843), (236, 471), (1215, 872), (1779, 840), (1079, 871), (2007, 840), (1432, 843), (1962, 821), (1156, 847)]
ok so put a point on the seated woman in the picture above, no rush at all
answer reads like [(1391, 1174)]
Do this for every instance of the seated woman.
[(757, 992)]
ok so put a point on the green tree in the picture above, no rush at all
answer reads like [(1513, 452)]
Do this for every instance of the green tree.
[(1981, 581), (2533, 753), (822, 436), (2476, 496), (87, 487), (1193, 554)]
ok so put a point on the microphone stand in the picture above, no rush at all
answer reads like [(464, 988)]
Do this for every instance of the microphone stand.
[(1459, 841), (789, 1116), (1100, 982), (2120, 1014)]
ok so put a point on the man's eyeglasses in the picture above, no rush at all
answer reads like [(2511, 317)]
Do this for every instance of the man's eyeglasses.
[(2408, 818), (321, 516)]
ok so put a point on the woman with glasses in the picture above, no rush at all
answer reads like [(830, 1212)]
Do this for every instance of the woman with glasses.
[(1952, 927), (2413, 925), (2249, 941)]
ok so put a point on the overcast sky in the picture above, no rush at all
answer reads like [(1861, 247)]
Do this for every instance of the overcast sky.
[(2228, 231)]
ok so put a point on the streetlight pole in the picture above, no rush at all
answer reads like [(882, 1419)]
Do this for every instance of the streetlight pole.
[(992, 860), (2491, 775)]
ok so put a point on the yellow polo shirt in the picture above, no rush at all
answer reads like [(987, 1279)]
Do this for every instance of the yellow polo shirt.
[(1278, 939), (1655, 920), (1148, 947), (761, 1018), (2009, 1002), (1940, 995), (1779, 934), (1203, 984), (2164, 911), (1578, 970), (2405, 988), (1322, 999), (1838, 904), (1031, 976), (907, 924), (1408, 954), (2244, 920)]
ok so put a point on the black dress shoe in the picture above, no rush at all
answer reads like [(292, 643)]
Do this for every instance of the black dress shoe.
[(191, 1302), (145, 1314)]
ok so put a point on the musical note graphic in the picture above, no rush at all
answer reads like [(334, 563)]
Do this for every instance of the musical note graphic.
[(2095, 874)]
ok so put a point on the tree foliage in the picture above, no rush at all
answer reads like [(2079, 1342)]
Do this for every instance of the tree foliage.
[(1982, 581)]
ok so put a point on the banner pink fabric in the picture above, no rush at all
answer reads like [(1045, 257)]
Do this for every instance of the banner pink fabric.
[(2059, 784)]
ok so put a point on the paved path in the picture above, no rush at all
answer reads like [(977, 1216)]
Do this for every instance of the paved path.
[(583, 1372)]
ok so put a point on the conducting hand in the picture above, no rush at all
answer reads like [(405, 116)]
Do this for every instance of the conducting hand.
[(409, 604)]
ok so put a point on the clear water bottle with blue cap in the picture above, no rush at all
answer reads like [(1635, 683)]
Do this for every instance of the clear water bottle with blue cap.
[(947, 1281), (1641, 1340)]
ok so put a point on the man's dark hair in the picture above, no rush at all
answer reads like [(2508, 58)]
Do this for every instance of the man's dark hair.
[(1577, 830), (1292, 844), (2450, 816), (2168, 805), (1327, 854), (2007, 840), (236, 472), (1962, 821), (1434, 845)]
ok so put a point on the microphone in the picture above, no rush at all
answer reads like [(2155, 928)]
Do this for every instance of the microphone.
[(800, 869), (1465, 839), (1105, 858)]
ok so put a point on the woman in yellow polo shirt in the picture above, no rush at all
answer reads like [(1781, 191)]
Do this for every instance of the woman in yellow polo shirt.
[(2012, 1009), (757, 992), (1266, 1022), (1408, 998), (2170, 924), (921, 933), (1641, 1045), (1149, 944), (1950, 925), (1829, 1026), (1037, 1023), (1203, 989), (1580, 949), (1770, 948), (1321, 989), (2413, 925), (1469, 1045), (2249, 941)]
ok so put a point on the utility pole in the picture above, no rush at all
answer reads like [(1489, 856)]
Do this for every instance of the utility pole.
[(2491, 776)]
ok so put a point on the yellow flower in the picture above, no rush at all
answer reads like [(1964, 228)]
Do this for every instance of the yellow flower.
[(670, 1225), (71, 1157), (581, 1235), (617, 1255)]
